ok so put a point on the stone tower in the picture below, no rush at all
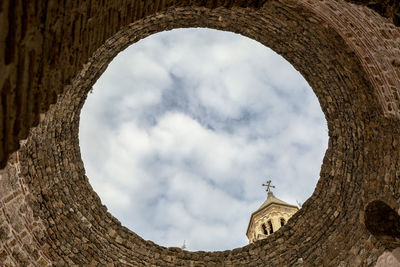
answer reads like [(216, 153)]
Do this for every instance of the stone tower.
[(269, 217)]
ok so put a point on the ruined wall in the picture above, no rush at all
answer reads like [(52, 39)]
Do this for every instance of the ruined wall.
[(21, 232), (348, 53), (43, 45)]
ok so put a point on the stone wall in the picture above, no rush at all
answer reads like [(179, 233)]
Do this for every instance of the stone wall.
[(43, 45), (21, 232), (52, 53)]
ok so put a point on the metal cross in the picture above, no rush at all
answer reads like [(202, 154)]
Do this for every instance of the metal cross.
[(268, 185)]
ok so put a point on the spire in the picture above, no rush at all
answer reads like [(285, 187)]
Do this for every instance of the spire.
[(271, 199), (184, 245), (270, 216)]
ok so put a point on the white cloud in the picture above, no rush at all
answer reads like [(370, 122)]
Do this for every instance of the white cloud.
[(111, 194), (183, 128)]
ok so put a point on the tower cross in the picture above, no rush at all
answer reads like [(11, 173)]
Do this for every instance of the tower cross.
[(269, 186)]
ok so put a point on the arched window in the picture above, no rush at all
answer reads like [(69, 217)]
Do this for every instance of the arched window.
[(265, 229), (271, 229), (283, 222)]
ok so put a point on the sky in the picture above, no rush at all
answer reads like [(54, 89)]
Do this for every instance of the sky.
[(184, 126)]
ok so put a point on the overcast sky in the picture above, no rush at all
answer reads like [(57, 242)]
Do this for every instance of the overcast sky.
[(183, 128)]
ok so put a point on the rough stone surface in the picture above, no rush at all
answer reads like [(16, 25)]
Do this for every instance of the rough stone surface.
[(21, 232), (387, 8), (52, 52), (389, 259), (44, 44)]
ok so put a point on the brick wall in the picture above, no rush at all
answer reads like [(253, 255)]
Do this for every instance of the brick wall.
[(43, 45), (49, 212)]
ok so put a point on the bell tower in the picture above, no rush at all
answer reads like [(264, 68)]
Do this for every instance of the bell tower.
[(269, 217)]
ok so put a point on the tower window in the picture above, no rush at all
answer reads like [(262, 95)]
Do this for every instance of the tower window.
[(283, 222), (265, 229), (271, 229)]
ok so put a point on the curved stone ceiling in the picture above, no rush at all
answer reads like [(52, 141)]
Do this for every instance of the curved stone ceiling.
[(349, 54)]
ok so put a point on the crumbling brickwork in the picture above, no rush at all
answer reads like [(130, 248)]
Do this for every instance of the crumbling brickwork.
[(43, 45), (52, 53)]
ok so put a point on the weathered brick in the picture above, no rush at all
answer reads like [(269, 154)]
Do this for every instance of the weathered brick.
[(52, 53)]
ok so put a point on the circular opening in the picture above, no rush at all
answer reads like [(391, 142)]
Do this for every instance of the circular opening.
[(73, 228), (183, 128)]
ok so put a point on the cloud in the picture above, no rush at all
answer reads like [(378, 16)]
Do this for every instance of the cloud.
[(185, 125)]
